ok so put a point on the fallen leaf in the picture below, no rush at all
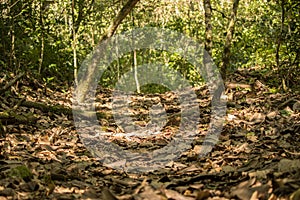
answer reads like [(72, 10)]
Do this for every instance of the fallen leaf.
[(203, 195), (108, 195), (172, 194)]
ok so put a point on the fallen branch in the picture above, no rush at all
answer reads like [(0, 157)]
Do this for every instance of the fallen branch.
[(10, 83), (11, 117), (59, 109), (287, 102)]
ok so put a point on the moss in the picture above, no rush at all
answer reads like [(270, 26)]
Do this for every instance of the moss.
[(21, 172)]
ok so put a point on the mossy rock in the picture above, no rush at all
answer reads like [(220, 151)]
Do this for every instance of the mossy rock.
[(21, 172)]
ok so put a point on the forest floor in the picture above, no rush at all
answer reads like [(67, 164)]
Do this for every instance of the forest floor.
[(257, 156)]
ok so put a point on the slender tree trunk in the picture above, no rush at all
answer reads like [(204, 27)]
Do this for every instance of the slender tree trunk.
[(118, 70), (137, 83), (74, 43), (230, 32), (280, 34), (118, 61), (41, 59), (207, 60), (214, 84), (13, 51), (86, 81), (134, 61), (208, 26), (12, 56)]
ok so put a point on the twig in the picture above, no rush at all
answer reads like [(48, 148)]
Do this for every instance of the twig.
[(286, 102)]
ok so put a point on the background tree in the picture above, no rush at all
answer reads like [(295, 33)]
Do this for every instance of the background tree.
[(208, 26), (229, 35), (50, 39)]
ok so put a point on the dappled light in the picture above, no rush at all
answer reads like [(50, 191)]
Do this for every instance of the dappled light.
[(142, 100)]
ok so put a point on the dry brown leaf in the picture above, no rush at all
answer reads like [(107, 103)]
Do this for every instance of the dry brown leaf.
[(201, 195), (272, 115), (242, 191), (261, 174), (150, 194), (257, 118), (295, 195), (108, 195), (172, 194), (90, 194)]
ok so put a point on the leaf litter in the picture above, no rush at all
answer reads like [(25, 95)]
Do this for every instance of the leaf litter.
[(257, 156)]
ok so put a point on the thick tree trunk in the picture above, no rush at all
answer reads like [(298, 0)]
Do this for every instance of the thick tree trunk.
[(86, 81), (230, 32)]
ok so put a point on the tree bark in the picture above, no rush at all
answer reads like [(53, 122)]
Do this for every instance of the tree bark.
[(42, 47), (280, 34), (230, 32), (121, 15), (74, 42), (208, 26), (134, 60), (85, 82)]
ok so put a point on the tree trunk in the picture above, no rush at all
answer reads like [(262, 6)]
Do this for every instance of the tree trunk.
[(42, 47), (134, 60), (280, 34), (208, 26), (121, 15), (74, 43), (230, 32), (86, 81)]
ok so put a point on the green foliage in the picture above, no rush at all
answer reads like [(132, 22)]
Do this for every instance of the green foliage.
[(37, 35), (285, 112), (154, 89), (21, 172), (123, 65), (186, 69)]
